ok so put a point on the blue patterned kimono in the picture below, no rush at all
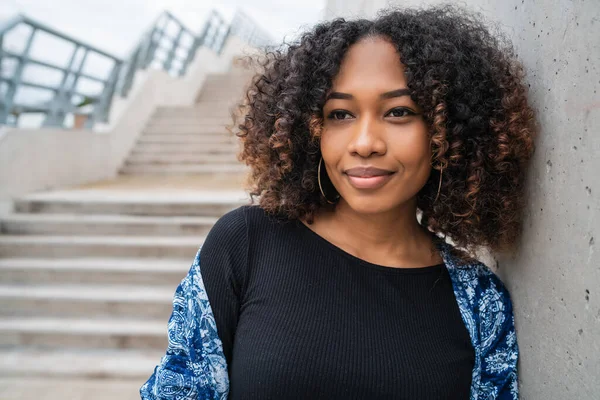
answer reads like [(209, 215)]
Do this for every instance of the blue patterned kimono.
[(194, 366)]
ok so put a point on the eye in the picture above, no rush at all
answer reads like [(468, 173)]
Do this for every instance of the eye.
[(339, 115), (399, 112)]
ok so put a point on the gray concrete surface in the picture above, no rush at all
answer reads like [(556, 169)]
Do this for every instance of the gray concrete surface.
[(555, 276), (70, 388)]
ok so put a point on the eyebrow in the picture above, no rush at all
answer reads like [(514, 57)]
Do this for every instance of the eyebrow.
[(383, 96)]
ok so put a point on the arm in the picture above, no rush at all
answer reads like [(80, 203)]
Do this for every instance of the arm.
[(499, 348), (201, 332), (194, 366)]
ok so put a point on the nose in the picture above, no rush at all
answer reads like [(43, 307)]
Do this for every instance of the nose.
[(366, 138)]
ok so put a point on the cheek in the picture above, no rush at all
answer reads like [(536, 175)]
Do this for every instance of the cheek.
[(413, 150), (332, 146)]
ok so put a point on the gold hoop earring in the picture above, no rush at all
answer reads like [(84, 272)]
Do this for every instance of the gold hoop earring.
[(320, 187), (440, 185)]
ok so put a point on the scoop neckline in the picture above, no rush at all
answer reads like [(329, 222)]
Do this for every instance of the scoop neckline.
[(365, 263)]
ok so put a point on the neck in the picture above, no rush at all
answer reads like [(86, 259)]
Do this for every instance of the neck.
[(393, 236)]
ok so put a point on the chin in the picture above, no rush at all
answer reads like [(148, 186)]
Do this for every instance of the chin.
[(369, 205)]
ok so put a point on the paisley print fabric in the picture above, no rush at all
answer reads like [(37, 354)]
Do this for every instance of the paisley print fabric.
[(194, 366), (486, 310)]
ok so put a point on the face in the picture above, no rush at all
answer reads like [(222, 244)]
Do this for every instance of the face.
[(375, 143)]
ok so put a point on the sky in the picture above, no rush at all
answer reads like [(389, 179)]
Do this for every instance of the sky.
[(116, 25)]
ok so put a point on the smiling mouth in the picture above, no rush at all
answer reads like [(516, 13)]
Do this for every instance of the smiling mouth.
[(369, 182)]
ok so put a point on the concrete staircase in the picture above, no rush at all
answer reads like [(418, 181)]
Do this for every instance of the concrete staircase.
[(87, 274), (191, 140)]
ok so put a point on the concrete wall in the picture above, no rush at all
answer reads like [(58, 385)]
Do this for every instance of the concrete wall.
[(39, 159), (555, 277)]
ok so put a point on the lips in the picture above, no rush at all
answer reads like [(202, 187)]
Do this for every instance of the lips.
[(368, 177), (367, 172)]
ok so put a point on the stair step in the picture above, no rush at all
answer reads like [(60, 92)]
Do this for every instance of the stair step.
[(217, 96), (187, 138), (219, 116), (186, 148), (73, 224), (137, 271), (221, 112), (99, 246), (189, 158), (94, 364), (182, 169), (191, 119), (221, 88), (207, 108), (83, 333), (174, 123), (221, 91), (91, 301), (208, 204), (217, 93), (72, 388), (206, 123), (237, 80), (190, 130)]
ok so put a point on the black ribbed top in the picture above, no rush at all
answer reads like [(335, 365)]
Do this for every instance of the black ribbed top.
[(300, 318)]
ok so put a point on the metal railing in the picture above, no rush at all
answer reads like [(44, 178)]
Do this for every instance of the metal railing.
[(168, 45), (171, 46), (246, 29), (14, 65)]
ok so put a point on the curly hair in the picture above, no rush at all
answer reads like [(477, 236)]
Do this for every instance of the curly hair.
[(468, 83)]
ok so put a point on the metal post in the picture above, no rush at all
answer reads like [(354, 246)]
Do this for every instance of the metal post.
[(202, 37), (70, 91), (144, 50), (169, 60), (130, 72), (102, 107), (190, 56), (9, 98), (213, 37), (61, 103), (156, 44), (222, 43), (2, 105), (152, 46)]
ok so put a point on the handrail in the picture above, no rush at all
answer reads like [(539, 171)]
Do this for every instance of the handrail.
[(158, 47), (248, 30), (55, 110), (20, 18)]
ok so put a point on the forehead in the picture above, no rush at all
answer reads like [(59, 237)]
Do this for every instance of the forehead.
[(371, 62)]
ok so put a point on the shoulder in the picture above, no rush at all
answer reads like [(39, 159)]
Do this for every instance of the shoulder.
[(484, 287), (230, 222), (244, 215), (476, 278), (233, 232), (484, 299), (233, 226), (227, 239)]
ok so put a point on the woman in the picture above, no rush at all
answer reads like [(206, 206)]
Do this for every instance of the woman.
[(370, 142)]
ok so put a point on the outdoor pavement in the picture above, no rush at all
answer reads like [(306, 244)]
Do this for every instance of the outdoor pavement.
[(68, 389)]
